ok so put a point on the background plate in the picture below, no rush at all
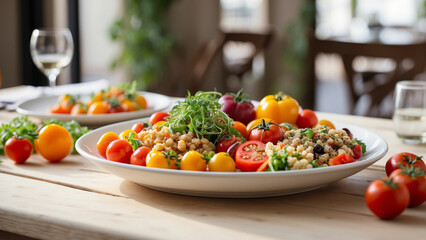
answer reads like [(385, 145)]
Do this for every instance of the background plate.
[(39, 108), (232, 185)]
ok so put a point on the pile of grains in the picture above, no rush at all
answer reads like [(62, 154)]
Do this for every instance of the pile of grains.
[(181, 143), (303, 146)]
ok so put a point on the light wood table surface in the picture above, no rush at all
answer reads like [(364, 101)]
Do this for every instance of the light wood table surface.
[(74, 199)]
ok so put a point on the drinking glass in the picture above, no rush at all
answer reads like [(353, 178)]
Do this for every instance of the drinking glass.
[(51, 51), (409, 117)]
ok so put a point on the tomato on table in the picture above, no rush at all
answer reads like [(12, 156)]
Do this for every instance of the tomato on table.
[(119, 151), (387, 199), (404, 159), (221, 162), (158, 116), (306, 119), (54, 142), (341, 159), (193, 161), (250, 155), (415, 180), (266, 132), (279, 107), (18, 149), (138, 157)]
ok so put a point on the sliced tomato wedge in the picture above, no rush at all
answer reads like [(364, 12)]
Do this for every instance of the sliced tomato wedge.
[(341, 159), (250, 155)]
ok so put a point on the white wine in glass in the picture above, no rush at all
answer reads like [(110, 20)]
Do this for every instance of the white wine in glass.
[(51, 51)]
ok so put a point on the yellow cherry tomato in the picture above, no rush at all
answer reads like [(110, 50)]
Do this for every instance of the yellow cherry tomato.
[(54, 142), (98, 107), (193, 161), (327, 123), (157, 159), (222, 162), (141, 101), (104, 141), (157, 125), (256, 122), (126, 133), (280, 108), (129, 106)]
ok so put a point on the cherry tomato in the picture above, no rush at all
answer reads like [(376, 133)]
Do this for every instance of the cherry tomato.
[(387, 199), (357, 150), (138, 127), (341, 159), (57, 108), (404, 159), (306, 119), (222, 162), (250, 155), (119, 151), (266, 132), (326, 123), (126, 134), (67, 102), (240, 127), (157, 125), (193, 161), (98, 107), (115, 92), (256, 122), (141, 101), (157, 159), (139, 156), (104, 141), (225, 142), (79, 108), (158, 116), (129, 106), (54, 142), (18, 149), (415, 181)]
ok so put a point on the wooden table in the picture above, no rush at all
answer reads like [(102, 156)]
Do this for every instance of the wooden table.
[(74, 199)]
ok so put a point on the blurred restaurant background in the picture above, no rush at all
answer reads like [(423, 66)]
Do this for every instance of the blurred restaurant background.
[(339, 56)]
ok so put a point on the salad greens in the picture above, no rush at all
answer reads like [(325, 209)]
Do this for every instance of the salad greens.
[(23, 127), (201, 114)]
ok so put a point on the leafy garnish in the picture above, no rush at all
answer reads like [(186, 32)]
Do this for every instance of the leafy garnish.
[(201, 115)]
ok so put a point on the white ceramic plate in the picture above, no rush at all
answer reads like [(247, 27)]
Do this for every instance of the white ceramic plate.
[(232, 185), (39, 108)]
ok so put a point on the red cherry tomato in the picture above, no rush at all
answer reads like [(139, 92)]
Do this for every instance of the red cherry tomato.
[(158, 116), (138, 127), (250, 155), (357, 150), (139, 156), (306, 119), (119, 151), (225, 143), (266, 132), (404, 159), (415, 181), (18, 149), (341, 159), (387, 199)]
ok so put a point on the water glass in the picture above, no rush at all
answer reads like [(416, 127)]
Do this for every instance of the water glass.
[(409, 116)]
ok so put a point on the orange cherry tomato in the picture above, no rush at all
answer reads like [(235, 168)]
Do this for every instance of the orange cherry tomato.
[(240, 127), (129, 106), (104, 141), (141, 101), (157, 159), (57, 108), (54, 142), (327, 123), (157, 125), (126, 133), (67, 102), (98, 107), (79, 108)]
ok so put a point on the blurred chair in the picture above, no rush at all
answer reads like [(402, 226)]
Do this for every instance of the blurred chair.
[(409, 57), (196, 70)]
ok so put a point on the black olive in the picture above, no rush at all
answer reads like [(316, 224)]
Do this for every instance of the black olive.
[(318, 149)]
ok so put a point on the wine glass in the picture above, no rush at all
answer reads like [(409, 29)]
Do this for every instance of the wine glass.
[(51, 51)]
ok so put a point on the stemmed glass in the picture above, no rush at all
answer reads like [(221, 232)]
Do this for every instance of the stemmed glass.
[(51, 51)]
